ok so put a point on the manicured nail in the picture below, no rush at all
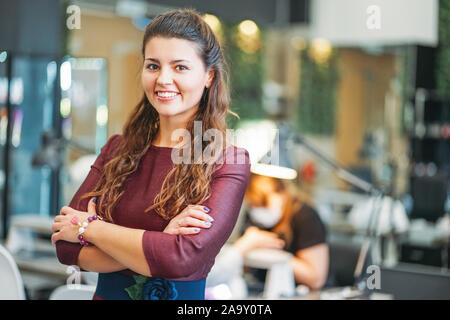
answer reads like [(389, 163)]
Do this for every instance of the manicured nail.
[(207, 209), (209, 218), (196, 229), (206, 223), (74, 220), (95, 200)]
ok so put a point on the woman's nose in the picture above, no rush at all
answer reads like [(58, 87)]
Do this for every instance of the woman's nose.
[(164, 77)]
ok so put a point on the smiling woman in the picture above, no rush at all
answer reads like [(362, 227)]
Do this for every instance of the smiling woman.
[(162, 223), (174, 85)]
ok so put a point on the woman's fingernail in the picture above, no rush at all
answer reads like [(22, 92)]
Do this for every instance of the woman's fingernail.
[(210, 218), (196, 229), (95, 200), (207, 209), (206, 223), (74, 220)]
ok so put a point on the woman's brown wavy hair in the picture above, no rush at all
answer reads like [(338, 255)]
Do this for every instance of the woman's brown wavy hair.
[(185, 184)]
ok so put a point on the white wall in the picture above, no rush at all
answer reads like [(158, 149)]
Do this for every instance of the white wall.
[(344, 22)]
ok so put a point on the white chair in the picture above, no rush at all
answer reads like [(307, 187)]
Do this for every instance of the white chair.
[(279, 277), (10, 278), (73, 292)]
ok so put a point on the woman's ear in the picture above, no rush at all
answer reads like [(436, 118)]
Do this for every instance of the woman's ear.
[(210, 78)]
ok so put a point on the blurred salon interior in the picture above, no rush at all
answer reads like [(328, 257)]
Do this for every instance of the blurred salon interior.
[(344, 108)]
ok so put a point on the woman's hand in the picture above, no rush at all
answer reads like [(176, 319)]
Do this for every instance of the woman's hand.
[(64, 229), (190, 220), (254, 238)]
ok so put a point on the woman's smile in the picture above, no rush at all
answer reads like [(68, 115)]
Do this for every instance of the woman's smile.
[(166, 96)]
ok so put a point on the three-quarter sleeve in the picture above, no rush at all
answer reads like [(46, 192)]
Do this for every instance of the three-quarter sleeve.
[(68, 252), (190, 257)]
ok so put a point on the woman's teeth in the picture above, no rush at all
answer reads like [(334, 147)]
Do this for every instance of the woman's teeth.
[(166, 94)]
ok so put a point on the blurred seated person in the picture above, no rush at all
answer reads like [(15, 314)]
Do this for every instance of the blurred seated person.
[(276, 211), (278, 218)]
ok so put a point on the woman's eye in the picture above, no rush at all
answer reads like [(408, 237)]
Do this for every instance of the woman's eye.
[(152, 66), (181, 68)]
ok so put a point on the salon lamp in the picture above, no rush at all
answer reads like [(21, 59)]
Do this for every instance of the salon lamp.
[(276, 163), (267, 145)]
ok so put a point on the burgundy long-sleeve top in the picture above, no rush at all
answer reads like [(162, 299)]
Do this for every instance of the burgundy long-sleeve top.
[(176, 257)]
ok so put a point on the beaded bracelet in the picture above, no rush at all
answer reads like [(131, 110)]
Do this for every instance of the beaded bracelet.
[(83, 226)]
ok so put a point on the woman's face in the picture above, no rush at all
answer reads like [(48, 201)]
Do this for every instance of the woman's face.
[(260, 188), (174, 76)]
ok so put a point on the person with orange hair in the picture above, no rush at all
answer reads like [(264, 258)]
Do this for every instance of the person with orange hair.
[(279, 211), (149, 221)]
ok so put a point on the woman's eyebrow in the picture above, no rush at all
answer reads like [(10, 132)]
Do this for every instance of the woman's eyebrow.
[(171, 62)]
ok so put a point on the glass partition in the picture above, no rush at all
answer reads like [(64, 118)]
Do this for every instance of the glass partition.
[(31, 99), (84, 114)]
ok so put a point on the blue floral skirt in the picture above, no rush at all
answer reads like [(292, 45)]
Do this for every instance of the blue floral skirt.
[(117, 286)]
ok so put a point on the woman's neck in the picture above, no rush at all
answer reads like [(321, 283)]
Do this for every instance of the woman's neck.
[(168, 125), (164, 136)]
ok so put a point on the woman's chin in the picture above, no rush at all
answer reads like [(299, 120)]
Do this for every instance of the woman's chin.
[(172, 111), (167, 112), (166, 109)]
